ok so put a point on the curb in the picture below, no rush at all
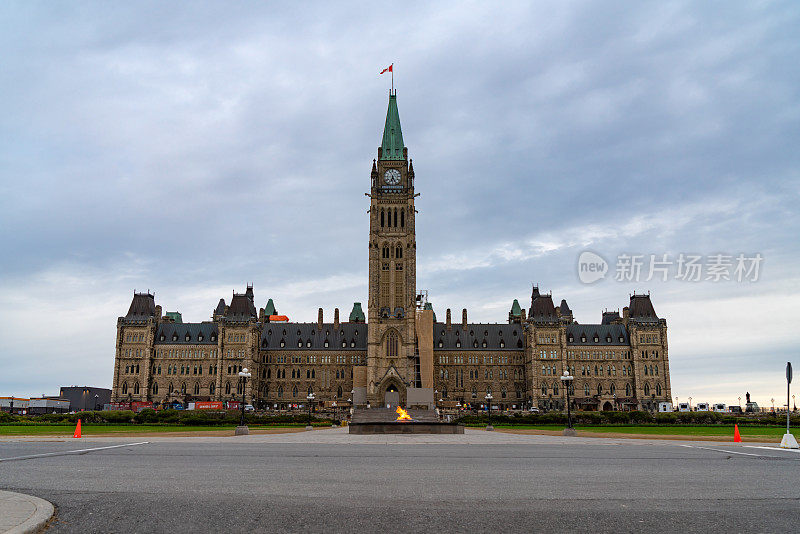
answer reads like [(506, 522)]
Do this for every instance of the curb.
[(23, 514)]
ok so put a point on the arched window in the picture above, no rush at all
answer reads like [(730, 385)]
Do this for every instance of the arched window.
[(155, 388), (555, 388), (612, 389), (171, 387), (658, 389), (339, 392), (136, 388), (227, 388), (544, 388), (382, 218), (294, 392), (392, 343), (403, 219), (197, 389), (395, 218), (212, 388), (647, 389), (280, 391), (310, 390), (586, 390), (124, 388), (627, 390), (645, 370)]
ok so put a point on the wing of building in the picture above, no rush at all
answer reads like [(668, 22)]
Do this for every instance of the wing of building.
[(398, 352)]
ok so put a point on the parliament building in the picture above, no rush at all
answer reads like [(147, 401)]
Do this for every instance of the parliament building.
[(398, 352)]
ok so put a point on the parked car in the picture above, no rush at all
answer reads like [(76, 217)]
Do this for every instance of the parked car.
[(249, 408), (533, 409)]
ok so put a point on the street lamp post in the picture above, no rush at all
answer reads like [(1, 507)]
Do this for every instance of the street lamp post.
[(489, 406), (788, 441), (567, 379), (310, 399), (740, 404), (333, 423), (690, 404), (96, 396), (794, 403), (242, 429)]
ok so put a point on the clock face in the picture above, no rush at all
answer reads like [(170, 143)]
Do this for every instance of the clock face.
[(392, 177)]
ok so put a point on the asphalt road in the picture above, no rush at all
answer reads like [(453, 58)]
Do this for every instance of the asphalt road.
[(329, 481)]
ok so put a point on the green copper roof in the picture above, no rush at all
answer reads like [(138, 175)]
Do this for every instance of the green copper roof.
[(270, 309), (429, 306), (357, 314), (516, 311), (392, 145), (175, 316)]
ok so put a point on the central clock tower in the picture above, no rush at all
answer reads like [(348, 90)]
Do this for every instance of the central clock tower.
[(392, 269)]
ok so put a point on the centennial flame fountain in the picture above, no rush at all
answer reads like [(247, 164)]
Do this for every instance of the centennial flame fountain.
[(400, 421)]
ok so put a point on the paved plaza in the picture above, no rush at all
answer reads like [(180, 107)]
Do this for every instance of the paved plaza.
[(328, 480)]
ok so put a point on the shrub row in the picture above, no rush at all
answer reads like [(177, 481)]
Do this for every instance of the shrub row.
[(149, 416), (632, 418)]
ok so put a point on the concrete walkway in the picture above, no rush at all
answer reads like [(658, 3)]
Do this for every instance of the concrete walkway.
[(23, 514)]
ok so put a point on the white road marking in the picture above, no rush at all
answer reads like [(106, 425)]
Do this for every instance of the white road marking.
[(77, 451), (721, 450), (796, 451)]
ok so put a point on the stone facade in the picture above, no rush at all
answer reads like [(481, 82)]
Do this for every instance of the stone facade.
[(398, 351)]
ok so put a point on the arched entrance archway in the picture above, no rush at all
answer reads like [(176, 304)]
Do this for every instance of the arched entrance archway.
[(607, 407), (391, 393)]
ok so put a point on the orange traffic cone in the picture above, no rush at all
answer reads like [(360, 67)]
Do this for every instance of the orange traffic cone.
[(77, 433), (736, 437)]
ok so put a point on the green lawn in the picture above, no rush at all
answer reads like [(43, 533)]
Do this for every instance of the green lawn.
[(671, 430), (88, 429)]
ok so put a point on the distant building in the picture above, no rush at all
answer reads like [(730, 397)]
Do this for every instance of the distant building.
[(82, 398), (397, 352), (48, 405), (14, 404)]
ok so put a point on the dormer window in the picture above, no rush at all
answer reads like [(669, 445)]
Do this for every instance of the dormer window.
[(570, 338), (502, 344), (187, 338), (514, 333), (475, 344), (441, 344), (471, 332), (200, 337), (163, 337), (298, 332), (344, 344), (308, 343), (608, 338), (352, 342), (299, 343), (484, 344), (583, 339), (283, 343), (174, 337), (284, 331), (355, 332), (213, 337), (621, 339), (327, 344), (458, 343), (596, 338), (264, 342)]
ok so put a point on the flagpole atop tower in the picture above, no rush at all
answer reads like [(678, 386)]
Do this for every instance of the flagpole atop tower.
[(390, 69)]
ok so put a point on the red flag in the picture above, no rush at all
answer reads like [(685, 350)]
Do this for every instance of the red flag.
[(388, 69)]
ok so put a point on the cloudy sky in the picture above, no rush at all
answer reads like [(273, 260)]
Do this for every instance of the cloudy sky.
[(192, 148)]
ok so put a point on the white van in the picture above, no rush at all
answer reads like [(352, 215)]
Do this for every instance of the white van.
[(683, 407), (665, 407), (701, 407), (719, 407)]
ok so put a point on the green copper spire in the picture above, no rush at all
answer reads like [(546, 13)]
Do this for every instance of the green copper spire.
[(270, 309), (516, 310), (392, 145), (357, 315)]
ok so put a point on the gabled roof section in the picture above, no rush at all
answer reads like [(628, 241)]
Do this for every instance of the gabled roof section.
[(357, 315), (641, 309), (605, 334), (392, 143), (186, 334), (143, 307), (308, 336), (242, 308), (564, 308), (610, 317), (478, 337), (542, 308)]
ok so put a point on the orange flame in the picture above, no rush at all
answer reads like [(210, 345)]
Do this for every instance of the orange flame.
[(402, 415)]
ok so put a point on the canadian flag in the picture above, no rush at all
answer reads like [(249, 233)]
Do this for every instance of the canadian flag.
[(388, 69)]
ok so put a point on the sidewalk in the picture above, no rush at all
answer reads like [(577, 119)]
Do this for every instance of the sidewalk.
[(21, 514)]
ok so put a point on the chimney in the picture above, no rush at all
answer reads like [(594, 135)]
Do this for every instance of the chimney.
[(319, 319), (158, 312), (464, 318), (336, 318), (522, 316), (626, 313), (449, 324)]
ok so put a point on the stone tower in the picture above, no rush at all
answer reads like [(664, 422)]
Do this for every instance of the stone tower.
[(392, 268)]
